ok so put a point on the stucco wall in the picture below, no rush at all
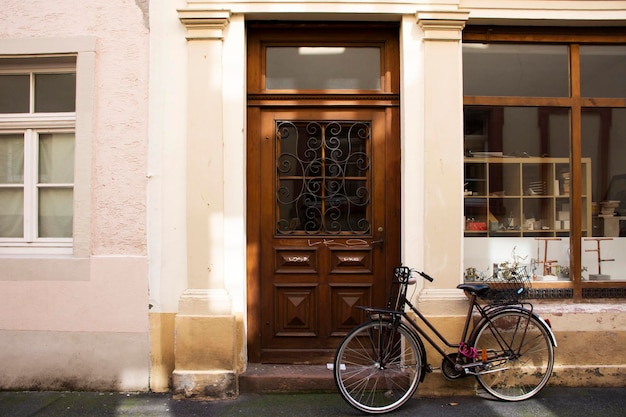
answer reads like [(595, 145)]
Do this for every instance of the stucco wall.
[(81, 322), (431, 134)]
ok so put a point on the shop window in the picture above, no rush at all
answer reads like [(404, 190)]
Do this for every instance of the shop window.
[(544, 181)]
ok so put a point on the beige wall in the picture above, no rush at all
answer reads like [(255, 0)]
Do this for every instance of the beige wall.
[(431, 135)]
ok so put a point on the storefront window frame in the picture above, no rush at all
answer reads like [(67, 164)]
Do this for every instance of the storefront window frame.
[(576, 288)]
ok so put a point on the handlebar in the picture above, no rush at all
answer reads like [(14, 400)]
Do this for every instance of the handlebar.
[(407, 275), (426, 276)]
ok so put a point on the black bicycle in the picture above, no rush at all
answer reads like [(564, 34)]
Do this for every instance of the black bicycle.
[(509, 349)]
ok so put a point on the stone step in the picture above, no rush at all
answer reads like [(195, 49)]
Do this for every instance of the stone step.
[(268, 378)]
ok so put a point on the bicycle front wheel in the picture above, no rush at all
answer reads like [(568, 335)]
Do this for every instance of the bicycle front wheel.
[(378, 366), (517, 355)]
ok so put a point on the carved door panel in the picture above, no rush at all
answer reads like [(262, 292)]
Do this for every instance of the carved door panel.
[(329, 226)]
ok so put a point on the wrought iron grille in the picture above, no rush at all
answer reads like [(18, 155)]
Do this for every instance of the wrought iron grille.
[(323, 177)]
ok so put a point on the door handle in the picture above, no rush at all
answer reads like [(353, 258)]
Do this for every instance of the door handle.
[(381, 241)]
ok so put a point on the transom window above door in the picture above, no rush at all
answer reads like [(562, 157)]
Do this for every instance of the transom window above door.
[(335, 60), (322, 68)]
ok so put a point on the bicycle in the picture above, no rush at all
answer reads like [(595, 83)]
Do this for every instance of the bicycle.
[(510, 349)]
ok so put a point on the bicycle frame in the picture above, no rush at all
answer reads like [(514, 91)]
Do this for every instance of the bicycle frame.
[(474, 306), (439, 340)]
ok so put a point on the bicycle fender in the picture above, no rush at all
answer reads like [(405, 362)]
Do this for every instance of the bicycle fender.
[(548, 329), (507, 308)]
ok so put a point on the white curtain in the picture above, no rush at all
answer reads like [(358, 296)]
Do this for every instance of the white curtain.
[(56, 177), (11, 185)]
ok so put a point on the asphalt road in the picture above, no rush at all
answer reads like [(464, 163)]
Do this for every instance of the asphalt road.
[(552, 401)]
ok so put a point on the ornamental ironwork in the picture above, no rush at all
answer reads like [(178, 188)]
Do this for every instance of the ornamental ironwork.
[(323, 177)]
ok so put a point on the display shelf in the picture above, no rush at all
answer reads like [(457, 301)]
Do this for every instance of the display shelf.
[(522, 197)]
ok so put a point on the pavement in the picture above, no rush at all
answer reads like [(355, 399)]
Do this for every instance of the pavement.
[(551, 401)]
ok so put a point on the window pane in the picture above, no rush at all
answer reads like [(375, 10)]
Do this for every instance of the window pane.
[(14, 93), (515, 70), (516, 131), (11, 159), (56, 158), (11, 212), (323, 68), (604, 141), (603, 71), (55, 212), (516, 188), (55, 92)]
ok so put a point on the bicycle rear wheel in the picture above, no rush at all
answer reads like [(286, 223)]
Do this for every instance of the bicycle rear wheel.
[(378, 366), (519, 352)]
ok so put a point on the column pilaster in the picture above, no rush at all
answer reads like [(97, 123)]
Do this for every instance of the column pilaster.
[(205, 326), (443, 153)]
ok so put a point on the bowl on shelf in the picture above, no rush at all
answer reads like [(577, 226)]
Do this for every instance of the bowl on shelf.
[(477, 226), (607, 208)]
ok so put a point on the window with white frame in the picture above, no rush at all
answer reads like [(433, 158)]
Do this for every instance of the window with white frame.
[(37, 140)]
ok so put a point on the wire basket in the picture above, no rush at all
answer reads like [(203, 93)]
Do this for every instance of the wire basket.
[(508, 285)]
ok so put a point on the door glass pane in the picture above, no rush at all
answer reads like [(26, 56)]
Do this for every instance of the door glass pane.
[(11, 159), (11, 212), (323, 177), (14, 93), (602, 70), (515, 70), (323, 68), (55, 212), (56, 158), (55, 92)]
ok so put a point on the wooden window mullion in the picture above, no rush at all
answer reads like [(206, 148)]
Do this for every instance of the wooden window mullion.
[(575, 172)]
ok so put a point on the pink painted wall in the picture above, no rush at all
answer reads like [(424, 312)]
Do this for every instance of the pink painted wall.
[(102, 299)]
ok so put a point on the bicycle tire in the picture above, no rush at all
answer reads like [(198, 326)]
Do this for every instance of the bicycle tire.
[(378, 366), (520, 355)]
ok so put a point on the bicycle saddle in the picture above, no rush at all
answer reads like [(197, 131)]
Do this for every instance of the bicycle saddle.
[(477, 289)]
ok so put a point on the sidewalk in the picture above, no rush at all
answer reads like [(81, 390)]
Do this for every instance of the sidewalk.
[(552, 402)]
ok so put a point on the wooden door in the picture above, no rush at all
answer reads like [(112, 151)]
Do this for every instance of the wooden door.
[(328, 226)]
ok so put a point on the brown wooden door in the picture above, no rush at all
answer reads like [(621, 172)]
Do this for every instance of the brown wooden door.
[(328, 207)]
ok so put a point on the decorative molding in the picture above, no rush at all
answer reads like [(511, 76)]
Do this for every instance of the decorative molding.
[(268, 100), (442, 294), (605, 292), (205, 302), (343, 97), (550, 293), (442, 26), (204, 24), (34, 121)]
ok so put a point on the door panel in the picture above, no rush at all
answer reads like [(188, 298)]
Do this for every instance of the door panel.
[(325, 221)]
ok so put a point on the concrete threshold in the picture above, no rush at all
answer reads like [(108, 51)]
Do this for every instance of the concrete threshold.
[(269, 378), (285, 379)]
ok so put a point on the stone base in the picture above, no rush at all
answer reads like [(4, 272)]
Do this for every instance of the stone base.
[(205, 359), (589, 376), (267, 379), (205, 385)]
